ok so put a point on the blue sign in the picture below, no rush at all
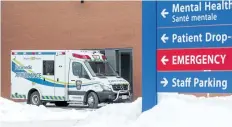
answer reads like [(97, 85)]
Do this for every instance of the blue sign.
[(218, 36), (195, 82), (173, 14), (183, 25)]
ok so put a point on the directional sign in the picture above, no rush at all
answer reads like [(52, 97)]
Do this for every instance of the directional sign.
[(195, 82), (195, 59), (191, 13), (180, 40), (193, 36), (218, 36)]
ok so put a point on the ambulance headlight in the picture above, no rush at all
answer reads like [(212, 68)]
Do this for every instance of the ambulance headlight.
[(105, 87)]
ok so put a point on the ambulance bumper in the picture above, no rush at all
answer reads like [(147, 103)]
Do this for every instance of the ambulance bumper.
[(110, 96)]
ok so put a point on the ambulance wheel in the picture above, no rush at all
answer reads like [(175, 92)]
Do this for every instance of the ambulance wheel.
[(61, 103), (92, 100), (35, 99)]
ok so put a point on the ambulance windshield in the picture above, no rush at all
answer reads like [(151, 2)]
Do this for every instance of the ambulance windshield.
[(101, 69)]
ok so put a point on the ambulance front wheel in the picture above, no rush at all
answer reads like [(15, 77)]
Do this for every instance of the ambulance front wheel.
[(92, 100)]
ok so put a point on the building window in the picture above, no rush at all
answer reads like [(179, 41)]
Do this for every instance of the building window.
[(48, 67)]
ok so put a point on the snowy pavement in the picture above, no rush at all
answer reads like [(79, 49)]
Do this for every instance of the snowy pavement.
[(47, 122), (173, 110), (52, 123), (23, 115)]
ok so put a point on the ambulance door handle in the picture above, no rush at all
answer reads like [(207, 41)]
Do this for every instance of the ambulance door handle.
[(73, 80), (57, 79)]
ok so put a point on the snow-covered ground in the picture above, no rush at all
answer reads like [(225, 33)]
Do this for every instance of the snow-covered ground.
[(173, 110), (21, 115), (16, 112)]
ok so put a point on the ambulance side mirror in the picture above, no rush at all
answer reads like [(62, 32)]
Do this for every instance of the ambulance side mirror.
[(78, 84)]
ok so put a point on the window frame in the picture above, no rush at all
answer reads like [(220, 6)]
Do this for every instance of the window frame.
[(92, 71), (82, 69), (45, 70)]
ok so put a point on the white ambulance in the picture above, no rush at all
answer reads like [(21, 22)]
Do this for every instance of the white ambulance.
[(65, 76)]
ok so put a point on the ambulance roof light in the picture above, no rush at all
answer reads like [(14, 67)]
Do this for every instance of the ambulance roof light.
[(81, 56), (104, 57)]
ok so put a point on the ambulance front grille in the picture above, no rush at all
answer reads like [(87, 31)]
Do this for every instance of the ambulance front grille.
[(120, 87)]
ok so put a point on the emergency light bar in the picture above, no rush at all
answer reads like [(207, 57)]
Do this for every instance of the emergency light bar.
[(81, 56)]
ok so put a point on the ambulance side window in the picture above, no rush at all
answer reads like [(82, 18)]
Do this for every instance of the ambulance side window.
[(48, 67), (79, 70)]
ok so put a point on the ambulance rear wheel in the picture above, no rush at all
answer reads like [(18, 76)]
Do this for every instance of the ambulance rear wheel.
[(35, 99), (92, 100), (61, 103)]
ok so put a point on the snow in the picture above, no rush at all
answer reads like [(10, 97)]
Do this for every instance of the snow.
[(173, 110), (16, 112), (113, 115), (188, 111)]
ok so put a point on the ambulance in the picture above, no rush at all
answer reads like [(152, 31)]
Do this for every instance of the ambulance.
[(64, 77)]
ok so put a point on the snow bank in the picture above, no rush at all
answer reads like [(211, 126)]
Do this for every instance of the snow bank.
[(188, 111), (113, 115), (16, 112), (172, 111)]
